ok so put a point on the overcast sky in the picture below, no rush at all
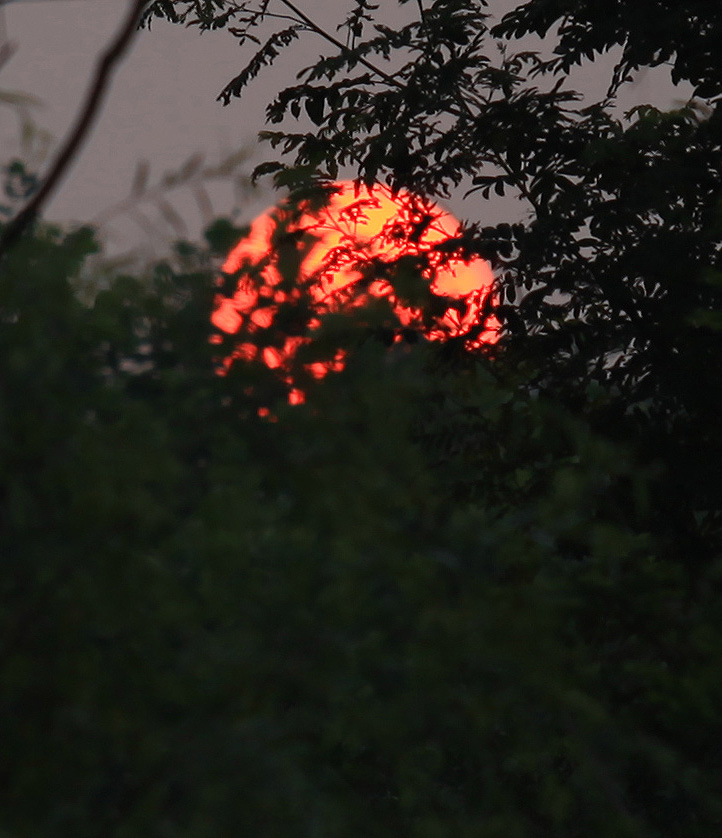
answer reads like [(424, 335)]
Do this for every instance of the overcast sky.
[(162, 105)]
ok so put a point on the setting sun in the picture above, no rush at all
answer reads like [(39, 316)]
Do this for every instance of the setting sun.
[(340, 251)]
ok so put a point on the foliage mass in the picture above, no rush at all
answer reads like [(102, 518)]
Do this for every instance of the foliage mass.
[(455, 593)]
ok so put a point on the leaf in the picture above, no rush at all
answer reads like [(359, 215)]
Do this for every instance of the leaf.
[(190, 167), (267, 168), (173, 218), (315, 106), (140, 179), (205, 205)]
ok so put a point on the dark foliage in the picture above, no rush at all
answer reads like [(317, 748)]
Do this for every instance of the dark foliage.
[(651, 32), (451, 594)]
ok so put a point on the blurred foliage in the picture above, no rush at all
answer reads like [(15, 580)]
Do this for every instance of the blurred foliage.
[(152, 202), (34, 142), (454, 593), (425, 602)]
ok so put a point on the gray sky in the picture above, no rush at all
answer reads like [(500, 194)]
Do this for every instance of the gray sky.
[(162, 105)]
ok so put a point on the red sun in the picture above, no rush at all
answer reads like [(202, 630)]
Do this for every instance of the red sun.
[(343, 254)]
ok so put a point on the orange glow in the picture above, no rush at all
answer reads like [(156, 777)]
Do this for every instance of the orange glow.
[(335, 249)]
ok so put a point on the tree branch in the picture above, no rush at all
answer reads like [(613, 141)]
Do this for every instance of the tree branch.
[(106, 65), (344, 49), (464, 110)]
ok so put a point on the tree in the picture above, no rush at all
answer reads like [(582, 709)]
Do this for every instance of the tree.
[(611, 285), (452, 594)]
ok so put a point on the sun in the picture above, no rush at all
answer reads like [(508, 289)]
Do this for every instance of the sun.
[(355, 246)]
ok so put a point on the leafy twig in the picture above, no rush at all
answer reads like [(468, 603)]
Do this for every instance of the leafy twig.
[(344, 49)]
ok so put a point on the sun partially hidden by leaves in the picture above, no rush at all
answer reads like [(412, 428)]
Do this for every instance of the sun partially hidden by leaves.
[(390, 260)]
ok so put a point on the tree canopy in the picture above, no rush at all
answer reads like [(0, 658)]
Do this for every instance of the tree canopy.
[(459, 591), (610, 284)]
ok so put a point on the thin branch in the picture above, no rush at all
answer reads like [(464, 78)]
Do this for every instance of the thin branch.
[(344, 49), (107, 64)]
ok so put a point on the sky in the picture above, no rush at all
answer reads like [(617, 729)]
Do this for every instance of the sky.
[(162, 108)]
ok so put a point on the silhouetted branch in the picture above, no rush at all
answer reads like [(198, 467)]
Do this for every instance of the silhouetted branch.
[(78, 134), (342, 47)]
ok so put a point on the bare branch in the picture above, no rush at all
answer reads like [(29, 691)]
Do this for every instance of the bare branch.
[(106, 65)]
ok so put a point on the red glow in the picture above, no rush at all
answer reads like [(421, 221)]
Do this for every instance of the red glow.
[(336, 242)]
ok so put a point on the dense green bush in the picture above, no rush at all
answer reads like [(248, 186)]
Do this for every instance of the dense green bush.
[(426, 602)]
